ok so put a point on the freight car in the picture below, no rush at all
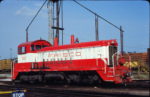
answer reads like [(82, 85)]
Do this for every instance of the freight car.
[(5, 65), (91, 62)]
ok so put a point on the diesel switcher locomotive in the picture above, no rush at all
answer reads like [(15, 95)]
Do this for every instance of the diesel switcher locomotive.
[(90, 62)]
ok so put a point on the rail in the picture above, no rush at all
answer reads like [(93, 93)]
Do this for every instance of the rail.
[(87, 92)]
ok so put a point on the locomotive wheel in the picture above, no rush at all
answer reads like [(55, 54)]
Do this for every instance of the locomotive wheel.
[(14, 82), (32, 81), (68, 81), (124, 83)]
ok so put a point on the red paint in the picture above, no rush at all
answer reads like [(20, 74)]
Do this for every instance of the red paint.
[(65, 47), (55, 41), (82, 45), (68, 65), (122, 61), (28, 45), (105, 72), (72, 39)]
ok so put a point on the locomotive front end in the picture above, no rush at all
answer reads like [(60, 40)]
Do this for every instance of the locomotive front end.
[(123, 73)]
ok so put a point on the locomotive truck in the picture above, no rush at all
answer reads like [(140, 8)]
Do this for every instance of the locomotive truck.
[(91, 62)]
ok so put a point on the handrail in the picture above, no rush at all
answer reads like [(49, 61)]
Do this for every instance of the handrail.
[(113, 63), (105, 68), (106, 63)]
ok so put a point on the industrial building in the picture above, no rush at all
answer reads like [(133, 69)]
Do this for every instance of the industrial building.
[(137, 58)]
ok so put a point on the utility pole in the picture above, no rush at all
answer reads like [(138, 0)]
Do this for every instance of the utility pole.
[(96, 28), (148, 50), (11, 53), (121, 40)]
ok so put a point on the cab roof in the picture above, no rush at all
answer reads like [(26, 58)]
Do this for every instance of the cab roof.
[(35, 42)]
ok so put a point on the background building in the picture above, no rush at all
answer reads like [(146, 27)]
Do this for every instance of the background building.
[(137, 59)]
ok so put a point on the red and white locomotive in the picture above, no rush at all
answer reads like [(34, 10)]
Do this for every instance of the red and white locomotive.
[(90, 62)]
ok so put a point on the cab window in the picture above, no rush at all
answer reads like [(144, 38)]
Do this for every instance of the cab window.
[(22, 50), (32, 47), (38, 47), (44, 46)]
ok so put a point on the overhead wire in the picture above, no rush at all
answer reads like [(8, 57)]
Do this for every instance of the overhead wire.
[(34, 19), (96, 14)]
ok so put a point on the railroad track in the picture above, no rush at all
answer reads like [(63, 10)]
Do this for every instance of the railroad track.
[(52, 91), (137, 84), (80, 93), (47, 92)]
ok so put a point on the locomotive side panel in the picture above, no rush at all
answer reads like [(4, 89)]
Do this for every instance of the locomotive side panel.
[(75, 59), (64, 55)]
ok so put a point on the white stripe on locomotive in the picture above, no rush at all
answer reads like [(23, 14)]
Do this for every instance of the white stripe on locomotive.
[(69, 54)]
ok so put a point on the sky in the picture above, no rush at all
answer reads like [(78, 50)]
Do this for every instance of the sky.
[(133, 16)]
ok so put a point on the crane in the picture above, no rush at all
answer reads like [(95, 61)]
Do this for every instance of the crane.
[(54, 11)]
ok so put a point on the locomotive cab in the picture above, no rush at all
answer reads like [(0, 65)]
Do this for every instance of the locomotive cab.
[(33, 46)]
